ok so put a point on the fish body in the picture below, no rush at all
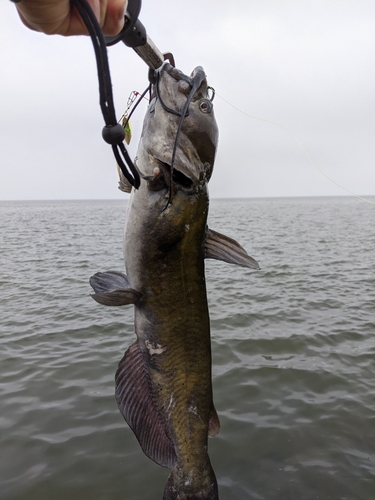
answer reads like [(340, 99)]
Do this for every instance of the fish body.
[(164, 382)]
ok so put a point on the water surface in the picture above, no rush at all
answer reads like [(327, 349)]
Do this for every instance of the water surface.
[(293, 353)]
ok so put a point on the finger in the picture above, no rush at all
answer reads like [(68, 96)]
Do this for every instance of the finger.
[(114, 17)]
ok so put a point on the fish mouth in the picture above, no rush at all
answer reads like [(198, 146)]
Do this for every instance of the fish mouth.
[(178, 177)]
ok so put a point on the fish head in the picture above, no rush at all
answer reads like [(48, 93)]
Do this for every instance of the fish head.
[(180, 135)]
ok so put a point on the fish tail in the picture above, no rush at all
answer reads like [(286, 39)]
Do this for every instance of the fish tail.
[(179, 488)]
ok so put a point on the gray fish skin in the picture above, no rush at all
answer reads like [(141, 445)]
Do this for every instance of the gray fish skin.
[(164, 253), (164, 381)]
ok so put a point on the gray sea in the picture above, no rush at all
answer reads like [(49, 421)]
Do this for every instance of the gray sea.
[(293, 354)]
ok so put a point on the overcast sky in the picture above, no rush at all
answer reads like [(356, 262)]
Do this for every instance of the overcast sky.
[(307, 65)]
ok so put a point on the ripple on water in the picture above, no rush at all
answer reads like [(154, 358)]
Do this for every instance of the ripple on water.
[(293, 353)]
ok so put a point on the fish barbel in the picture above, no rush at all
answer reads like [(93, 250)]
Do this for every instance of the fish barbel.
[(164, 382)]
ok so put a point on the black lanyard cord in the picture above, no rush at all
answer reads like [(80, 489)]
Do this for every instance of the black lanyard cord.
[(113, 133)]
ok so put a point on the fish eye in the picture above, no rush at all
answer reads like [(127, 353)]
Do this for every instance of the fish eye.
[(205, 106)]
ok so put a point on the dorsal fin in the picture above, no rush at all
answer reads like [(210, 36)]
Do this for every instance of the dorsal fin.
[(221, 247), (135, 401)]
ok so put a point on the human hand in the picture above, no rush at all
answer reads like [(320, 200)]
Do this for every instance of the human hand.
[(60, 17)]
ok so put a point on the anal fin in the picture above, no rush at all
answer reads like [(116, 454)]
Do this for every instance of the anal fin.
[(112, 289), (221, 247), (135, 402), (214, 423)]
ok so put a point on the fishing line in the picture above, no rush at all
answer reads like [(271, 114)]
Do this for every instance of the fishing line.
[(303, 149)]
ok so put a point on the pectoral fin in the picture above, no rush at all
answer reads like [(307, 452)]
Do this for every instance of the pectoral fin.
[(221, 247), (112, 289)]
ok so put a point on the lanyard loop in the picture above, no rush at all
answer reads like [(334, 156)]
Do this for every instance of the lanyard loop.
[(113, 133)]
